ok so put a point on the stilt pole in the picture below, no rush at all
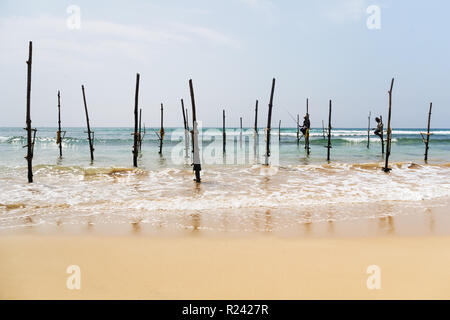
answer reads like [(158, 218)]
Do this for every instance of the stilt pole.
[(136, 124), (30, 142), (368, 131), (382, 135), (186, 130), (240, 132), (256, 137), (389, 131), (143, 135), (256, 117), (224, 135), (58, 134), (89, 132), (307, 130), (187, 127), (140, 129), (269, 121), (428, 133), (195, 146), (329, 133), (279, 130), (161, 131)]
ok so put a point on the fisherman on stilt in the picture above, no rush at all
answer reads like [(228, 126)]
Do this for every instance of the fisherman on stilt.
[(306, 126), (379, 129)]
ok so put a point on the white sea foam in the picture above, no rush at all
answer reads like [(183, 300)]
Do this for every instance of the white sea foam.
[(78, 194)]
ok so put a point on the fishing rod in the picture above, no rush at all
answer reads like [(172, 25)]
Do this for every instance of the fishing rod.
[(293, 119)]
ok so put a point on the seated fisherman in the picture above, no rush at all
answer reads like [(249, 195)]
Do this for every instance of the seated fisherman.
[(306, 124), (379, 129)]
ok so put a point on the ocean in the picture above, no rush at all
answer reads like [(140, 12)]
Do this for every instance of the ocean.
[(237, 193)]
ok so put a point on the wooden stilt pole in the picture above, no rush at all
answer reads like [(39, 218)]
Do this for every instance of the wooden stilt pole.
[(279, 130), (256, 117), (30, 142), (143, 135), (89, 132), (269, 121), (135, 134), (187, 127), (59, 136), (186, 130), (329, 133), (187, 118), (224, 135), (256, 137), (140, 129), (161, 131), (368, 131), (298, 129), (195, 146), (382, 135), (240, 133), (389, 131), (308, 149), (427, 141)]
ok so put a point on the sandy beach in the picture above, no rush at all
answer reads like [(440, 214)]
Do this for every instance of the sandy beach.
[(144, 267), (317, 260)]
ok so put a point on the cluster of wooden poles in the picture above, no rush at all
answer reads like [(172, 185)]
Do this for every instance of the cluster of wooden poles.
[(191, 136)]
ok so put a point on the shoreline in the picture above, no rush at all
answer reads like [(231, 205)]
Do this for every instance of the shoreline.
[(427, 219)]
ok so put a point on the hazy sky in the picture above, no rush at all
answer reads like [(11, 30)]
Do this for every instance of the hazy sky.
[(231, 49)]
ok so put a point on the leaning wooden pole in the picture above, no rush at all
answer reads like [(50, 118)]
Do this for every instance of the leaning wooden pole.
[(58, 134), (89, 132), (161, 131), (428, 133), (224, 135), (136, 122), (329, 133), (186, 130), (30, 143), (368, 131), (389, 131), (140, 129), (195, 147), (269, 121)]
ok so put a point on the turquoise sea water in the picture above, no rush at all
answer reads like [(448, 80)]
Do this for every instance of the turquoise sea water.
[(236, 193), (113, 146)]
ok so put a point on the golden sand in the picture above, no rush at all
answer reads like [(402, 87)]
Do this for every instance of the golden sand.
[(254, 267)]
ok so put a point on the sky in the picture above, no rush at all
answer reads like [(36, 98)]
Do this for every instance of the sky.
[(231, 49)]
